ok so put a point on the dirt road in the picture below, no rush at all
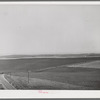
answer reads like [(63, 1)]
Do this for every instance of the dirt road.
[(6, 85)]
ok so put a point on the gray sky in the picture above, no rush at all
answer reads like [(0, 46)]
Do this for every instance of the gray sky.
[(52, 29)]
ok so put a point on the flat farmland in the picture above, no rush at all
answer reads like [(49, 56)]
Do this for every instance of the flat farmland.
[(83, 77), (35, 64), (57, 73)]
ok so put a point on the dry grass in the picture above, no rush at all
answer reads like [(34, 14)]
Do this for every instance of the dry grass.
[(1, 87), (81, 78), (37, 84), (14, 83)]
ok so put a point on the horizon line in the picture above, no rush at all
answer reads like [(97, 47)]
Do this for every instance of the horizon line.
[(49, 54)]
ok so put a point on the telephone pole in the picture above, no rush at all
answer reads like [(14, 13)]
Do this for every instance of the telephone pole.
[(10, 74), (28, 76)]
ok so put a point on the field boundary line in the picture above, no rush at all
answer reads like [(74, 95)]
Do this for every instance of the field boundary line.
[(77, 65), (43, 69), (8, 81), (65, 65)]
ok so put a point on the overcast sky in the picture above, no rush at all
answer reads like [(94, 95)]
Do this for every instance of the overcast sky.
[(49, 29)]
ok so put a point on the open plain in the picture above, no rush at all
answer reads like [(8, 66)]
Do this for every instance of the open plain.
[(82, 73)]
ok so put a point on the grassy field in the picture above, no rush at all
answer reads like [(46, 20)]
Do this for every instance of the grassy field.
[(60, 77), (36, 83), (1, 87), (34, 64), (83, 77)]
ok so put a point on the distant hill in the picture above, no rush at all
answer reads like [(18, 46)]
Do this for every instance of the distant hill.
[(53, 55)]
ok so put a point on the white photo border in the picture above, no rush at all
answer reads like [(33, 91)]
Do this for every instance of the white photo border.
[(30, 94)]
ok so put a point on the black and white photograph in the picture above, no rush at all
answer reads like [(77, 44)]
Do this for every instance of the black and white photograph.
[(49, 47)]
